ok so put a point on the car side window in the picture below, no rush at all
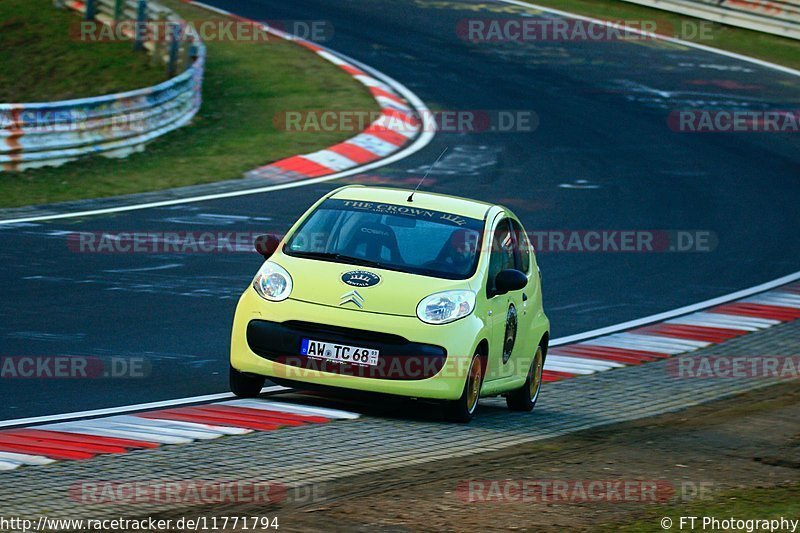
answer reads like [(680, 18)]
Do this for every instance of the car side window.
[(522, 248), (501, 253)]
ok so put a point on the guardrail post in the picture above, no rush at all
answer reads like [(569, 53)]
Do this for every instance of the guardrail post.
[(141, 26), (90, 10), (118, 9), (174, 48)]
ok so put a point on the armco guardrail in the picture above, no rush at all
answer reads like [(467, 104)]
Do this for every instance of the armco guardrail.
[(779, 17), (115, 125)]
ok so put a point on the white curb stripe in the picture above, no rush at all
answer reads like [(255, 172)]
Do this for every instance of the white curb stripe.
[(197, 426), (392, 103), (268, 405), (161, 430), (9, 465), (26, 459), (645, 341), (569, 370), (372, 82), (724, 321), (704, 324), (332, 58), (396, 125), (762, 322), (617, 342), (161, 427), (109, 431), (779, 300), (331, 160), (596, 364), (372, 144), (667, 342)]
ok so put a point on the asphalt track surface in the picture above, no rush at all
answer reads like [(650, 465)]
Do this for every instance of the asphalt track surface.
[(602, 109)]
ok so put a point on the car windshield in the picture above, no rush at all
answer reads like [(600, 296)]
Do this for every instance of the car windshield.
[(394, 237)]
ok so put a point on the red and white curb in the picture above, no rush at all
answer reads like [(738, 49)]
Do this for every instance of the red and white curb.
[(126, 431), (675, 336), (84, 439), (397, 126)]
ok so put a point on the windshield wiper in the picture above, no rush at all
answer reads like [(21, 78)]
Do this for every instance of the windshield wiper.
[(330, 256)]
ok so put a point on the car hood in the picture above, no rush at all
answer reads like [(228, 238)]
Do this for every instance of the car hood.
[(397, 293)]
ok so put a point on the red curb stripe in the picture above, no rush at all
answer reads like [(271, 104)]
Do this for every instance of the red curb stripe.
[(353, 71), (377, 91), (204, 410), (588, 351), (59, 445), (405, 117), (613, 350), (554, 375), (52, 453), (700, 333), (209, 419), (354, 153), (302, 166), (81, 438), (310, 46), (385, 134), (758, 310), (268, 413)]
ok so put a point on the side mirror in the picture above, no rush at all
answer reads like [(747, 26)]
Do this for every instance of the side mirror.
[(509, 280), (266, 245)]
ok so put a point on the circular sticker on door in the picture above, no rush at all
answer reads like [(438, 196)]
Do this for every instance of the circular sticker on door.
[(511, 333)]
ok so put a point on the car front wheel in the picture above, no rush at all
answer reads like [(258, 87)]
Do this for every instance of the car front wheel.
[(245, 385), (463, 409), (524, 398)]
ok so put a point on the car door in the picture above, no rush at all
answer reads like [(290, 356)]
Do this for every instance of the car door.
[(524, 300), (503, 308)]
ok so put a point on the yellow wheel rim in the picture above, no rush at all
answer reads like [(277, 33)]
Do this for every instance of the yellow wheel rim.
[(537, 367), (474, 386)]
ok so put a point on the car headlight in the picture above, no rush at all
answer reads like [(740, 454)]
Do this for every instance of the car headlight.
[(273, 282), (444, 307)]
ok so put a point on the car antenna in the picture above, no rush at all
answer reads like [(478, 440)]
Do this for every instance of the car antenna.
[(411, 196)]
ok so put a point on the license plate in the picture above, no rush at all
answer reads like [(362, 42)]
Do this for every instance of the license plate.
[(339, 352)]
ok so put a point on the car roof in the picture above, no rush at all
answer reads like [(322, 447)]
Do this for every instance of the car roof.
[(422, 200)]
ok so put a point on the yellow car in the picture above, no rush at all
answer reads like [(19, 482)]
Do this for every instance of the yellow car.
[(392, 291)]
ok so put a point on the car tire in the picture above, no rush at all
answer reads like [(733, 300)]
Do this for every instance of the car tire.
[(245, 385), (463, 409), (524, 398)]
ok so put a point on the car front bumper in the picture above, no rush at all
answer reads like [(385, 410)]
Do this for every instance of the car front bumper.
[(416, 359)]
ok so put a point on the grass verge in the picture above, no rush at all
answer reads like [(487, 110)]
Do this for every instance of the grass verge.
[(43, 61), (247, 84), (764, 46)]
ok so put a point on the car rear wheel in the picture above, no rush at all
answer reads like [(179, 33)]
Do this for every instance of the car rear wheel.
[(524, 398), (463, 409), (245, 385)]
